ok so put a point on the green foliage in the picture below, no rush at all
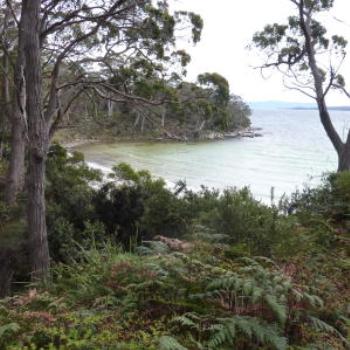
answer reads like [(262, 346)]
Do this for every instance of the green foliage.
[(244, 221), (170, 343), (329, 201), (7, 331), (228, 330), (165, 212), (218, 295), (135, 206), (109, 299), (120, 209), (264, 307), (69, 198)]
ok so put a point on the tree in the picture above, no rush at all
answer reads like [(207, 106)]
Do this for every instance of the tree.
[(16, 111), (12, 121), (299, 50), (5, 84), (38, 138), (66, 35)]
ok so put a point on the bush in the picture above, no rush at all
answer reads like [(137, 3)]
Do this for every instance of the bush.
[(165, 212), (109, 299), (135, 206), (120, 209), (330, 200), (69, 196)]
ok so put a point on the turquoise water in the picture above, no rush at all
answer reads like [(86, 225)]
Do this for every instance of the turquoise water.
[(293, 151)]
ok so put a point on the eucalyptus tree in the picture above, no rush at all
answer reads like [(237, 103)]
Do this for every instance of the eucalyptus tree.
[(310, 59), (79, 36), (13, 115), (227, 111), (5, 74)]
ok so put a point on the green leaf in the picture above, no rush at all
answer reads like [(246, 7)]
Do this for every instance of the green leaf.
[(170, 343), (9, 328)]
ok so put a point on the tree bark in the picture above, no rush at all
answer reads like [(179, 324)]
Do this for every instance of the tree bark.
[(16, 172), (5, 101), (110, 108), (344, 156), (163, 117), (4, 113), (38, 141)]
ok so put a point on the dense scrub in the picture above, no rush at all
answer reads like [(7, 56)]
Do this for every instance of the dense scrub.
[(244, 275)]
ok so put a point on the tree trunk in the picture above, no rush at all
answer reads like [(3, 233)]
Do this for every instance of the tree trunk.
[(342, 149), (110, 108), (38, 141), (163, 118), (5, 93), (143, 118), (5, 101), (137, 119), (39, 249), (344, 156), (16, 172)]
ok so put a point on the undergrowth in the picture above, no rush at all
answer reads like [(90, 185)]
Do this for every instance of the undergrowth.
[(110, 299), (243, 276)]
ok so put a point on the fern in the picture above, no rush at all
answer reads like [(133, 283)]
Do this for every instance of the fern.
[(152, 248), (188, 321), (8, 329), (228, 330), (324, 327), (279, 309), (170, 343)]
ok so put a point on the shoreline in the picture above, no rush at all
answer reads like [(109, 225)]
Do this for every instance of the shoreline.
[(250, 132)]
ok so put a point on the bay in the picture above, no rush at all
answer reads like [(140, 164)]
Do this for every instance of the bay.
[(293, 152)]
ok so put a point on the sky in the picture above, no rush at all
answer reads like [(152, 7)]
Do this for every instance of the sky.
[(229, 26)]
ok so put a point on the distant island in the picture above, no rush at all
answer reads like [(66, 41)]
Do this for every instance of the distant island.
[(266, 105)]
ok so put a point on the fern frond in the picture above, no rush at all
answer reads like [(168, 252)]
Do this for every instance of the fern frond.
[(324, 327), (186, 321), (280, 310), (313, 300), (9, 328), (170, 343), (226, 331)]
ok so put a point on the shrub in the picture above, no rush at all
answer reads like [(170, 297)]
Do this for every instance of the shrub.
[(69, 196)]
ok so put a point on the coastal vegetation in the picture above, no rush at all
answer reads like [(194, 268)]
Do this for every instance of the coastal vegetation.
[(191, 111), (136, 265), (121, 260)]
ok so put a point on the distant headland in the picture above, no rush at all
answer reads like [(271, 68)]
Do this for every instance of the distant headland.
[(268, 105)]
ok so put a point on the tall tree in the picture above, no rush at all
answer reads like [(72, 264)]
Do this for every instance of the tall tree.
[(16, 111), (311, 60), (5, 76), (69, 35), (38, 138)]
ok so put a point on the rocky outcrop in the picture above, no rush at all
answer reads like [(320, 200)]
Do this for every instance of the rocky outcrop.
[(211, 135), (247, 132)]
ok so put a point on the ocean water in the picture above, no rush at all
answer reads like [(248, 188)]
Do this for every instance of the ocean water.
[(293, 152)]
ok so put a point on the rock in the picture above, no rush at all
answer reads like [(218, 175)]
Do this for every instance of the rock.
[(213, 136), (231, 135), (249, 134), (175, 244)]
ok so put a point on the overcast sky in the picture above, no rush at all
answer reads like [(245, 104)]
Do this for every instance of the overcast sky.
[(228, 28)]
